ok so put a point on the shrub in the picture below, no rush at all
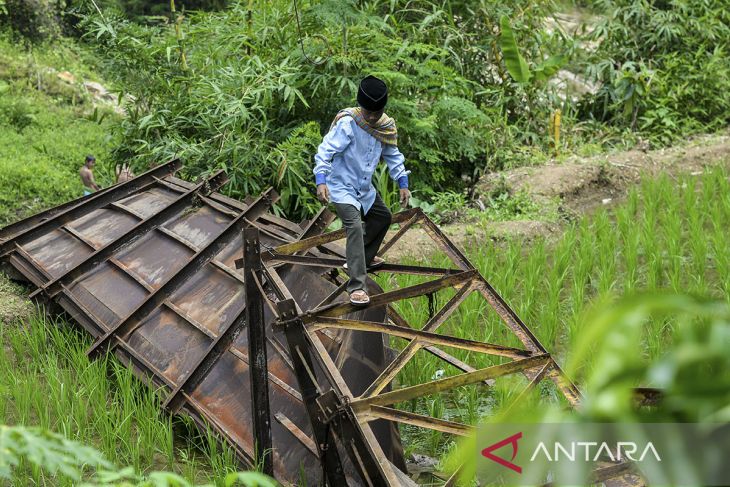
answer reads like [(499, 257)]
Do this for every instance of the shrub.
[(242, 98), (663, 66), (34, 19)]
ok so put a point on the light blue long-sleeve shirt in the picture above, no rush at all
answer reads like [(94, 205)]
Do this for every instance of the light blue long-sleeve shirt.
[(346, 160)]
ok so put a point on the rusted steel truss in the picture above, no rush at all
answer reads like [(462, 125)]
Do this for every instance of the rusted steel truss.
[(148, 268), (341, 419)]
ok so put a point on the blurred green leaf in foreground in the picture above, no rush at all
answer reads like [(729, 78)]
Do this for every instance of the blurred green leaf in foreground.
[(71, 460), (608, 362)]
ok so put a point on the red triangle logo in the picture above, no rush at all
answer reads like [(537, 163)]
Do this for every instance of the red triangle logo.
[(512, 440)]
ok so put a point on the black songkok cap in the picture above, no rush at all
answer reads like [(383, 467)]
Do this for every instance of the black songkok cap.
[(372, 94)]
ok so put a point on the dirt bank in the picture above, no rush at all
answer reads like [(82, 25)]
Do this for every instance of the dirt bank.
[(573, 188)]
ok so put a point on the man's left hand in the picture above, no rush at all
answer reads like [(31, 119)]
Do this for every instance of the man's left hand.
[(405, 197)]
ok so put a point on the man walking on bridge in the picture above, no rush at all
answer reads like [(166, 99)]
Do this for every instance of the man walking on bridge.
[(345, 162)]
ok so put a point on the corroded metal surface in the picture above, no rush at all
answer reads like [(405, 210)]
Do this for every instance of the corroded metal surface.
[(148, 269), (349, 414)]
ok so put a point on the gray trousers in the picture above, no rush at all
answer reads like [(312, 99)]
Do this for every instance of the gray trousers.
[(365, 233)]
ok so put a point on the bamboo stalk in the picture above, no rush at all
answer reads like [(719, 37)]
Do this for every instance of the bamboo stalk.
[(179, 35)]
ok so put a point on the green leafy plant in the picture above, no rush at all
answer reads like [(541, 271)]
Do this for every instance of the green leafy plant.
[(516, 64), (51, 451), (68, 459), (675, 45), (234, 112)]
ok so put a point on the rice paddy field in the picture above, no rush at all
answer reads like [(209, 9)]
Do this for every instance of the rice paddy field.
[(47, 381), (669, 235)]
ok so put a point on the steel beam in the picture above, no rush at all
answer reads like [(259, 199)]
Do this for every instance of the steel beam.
[(422, 336), (365, 447), (441, 385), (420, 420), (528, 339), (414, 269), (401, 231), (303, 368), (328, 262), (446, 245), (258, 361), (391, 371), (318, 224), (300, 435), (398, 320), (333, 295), (370, 465), (325, 238), (335, 310)]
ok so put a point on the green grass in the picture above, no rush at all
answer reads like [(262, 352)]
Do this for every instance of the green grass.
[(46, 128), (668, 235), (48, 381)]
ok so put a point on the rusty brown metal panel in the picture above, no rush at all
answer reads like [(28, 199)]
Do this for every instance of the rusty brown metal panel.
[(149, 202), (225, 394), (57, 251), (199, 227), (110, 288), (155, 258), (103, 226), (168, 343), (210, 297), (31, 228)]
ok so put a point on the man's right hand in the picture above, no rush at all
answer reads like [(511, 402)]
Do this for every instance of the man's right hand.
[(323, 193)]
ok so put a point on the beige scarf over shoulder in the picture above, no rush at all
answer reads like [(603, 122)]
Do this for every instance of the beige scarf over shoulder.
[(384, 131)]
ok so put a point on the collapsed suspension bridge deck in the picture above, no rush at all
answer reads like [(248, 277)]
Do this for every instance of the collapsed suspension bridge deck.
[(155, 270)]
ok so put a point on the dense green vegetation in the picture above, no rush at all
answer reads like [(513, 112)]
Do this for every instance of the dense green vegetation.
[(475, 87), (47, 126), (668, 236), (663, 66)]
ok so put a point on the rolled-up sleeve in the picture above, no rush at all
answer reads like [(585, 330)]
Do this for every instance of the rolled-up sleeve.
[(335, 142), (396, 167)]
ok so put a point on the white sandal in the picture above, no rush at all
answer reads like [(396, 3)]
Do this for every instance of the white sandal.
[(377, 262), (362, 298)]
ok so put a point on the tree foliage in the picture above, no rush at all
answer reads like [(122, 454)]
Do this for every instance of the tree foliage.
[(662, 65), (253, 90), (476, 86)]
